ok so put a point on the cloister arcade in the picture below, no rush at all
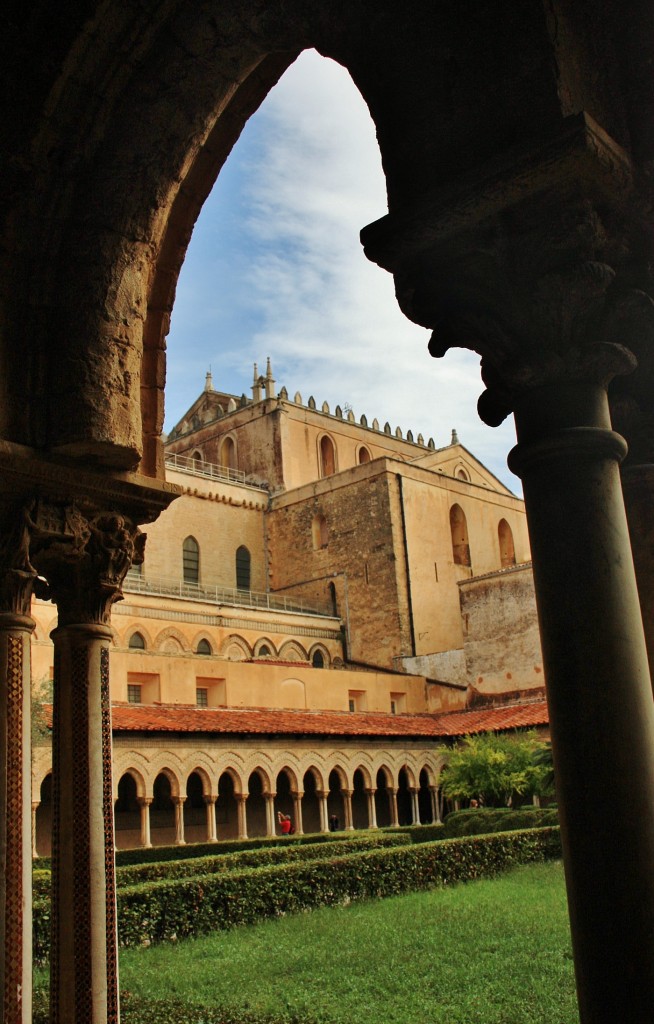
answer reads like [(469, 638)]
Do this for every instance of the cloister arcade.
[(163, 802)]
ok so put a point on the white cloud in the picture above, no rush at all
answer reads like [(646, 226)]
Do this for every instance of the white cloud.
[(327, 317)]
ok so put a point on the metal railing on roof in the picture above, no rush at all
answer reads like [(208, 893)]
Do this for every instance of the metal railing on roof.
[(162, 586), (187, 464)]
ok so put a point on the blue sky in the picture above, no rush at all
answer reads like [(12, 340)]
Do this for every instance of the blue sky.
[(275, 268)]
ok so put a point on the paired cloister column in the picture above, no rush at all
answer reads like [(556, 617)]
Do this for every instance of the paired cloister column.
[(270, 813), (296, 796), (372, 810), (145, 802), (347, 807), (534, 266), (210, 804), (241, 800), (322, 795), (392, 797)]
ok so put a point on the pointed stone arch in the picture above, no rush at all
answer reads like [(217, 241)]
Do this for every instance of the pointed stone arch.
[(235, 648)]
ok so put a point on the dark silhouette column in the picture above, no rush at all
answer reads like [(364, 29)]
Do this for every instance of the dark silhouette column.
[(599, 690), (531, 265)]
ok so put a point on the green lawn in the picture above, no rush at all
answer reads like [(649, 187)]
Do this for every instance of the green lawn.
[(492, 952)]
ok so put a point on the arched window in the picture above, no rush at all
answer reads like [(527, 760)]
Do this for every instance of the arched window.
[(507, 547), (204, 647), (228, 453), (242, 568), (263, 652), (459, 531), (197, 459), (318, 659), (327, 457), (136, 642), (191, 560), (319, 532), (332, 597), (463, 474), (364, 455)]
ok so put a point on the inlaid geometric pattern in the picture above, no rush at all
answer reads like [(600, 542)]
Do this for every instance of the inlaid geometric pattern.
[(56, 832), (82, 843), (108, 817), (14, 922)]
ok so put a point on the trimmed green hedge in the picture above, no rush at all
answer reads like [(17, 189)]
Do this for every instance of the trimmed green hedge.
[(143, 855), (160, 911), (161, 871), (479, 820), (418, 833)]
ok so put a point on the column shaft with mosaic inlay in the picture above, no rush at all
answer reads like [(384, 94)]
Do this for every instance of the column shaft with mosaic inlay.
[(16, 626), (84, 555)]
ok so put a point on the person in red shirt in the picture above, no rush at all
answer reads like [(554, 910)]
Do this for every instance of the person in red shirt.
[(284, 823)]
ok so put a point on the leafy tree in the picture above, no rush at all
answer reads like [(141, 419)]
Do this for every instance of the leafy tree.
[(494, 769), (41, 695)]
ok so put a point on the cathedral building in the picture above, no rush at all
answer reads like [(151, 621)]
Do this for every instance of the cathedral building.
[(326, 603)]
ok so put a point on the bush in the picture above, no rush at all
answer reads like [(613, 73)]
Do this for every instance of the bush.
[(479, 820), (160, 911), (162, 870), (418, 833), (143, 855)]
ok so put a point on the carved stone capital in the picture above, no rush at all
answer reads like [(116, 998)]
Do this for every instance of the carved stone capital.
[(17, 574), (573, 323), (84, 556)]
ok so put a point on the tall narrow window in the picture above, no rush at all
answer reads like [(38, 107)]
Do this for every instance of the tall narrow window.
[(191, 560), (242, 568), (459, 531), (136, 642), (507, 547), (364, 455), (327, 458), (228, 453), (319, 532)]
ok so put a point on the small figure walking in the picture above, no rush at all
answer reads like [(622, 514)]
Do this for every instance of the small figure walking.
[(333, 823)]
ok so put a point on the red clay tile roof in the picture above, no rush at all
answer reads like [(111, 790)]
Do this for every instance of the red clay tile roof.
[(185, 719)]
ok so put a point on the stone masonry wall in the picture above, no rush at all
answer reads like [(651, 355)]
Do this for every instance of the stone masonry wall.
[(360, 559)]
